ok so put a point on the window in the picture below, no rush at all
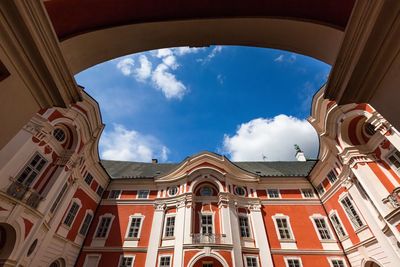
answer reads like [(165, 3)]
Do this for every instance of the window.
[(73, 210), (244, 226), (59, 134), (103, 227), (283, 228), (320, 189), (206, 224), (206, 191), (165, 261), (322, 228), (337, 225), (240, 191), (395, 160), (332, 177), (59, 197), (88, 178), (91, 260), (207, 264), (293, 263), (32, 169), (134, 227), (251, 262), (143, 194), (100, 191), (126, 262), (172, 191), (307, 193), (170, 226), (351, 212), (273, 193), (114, 194), (337, 263), (86, 224)]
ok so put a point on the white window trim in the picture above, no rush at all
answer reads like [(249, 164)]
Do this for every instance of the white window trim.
[(136, 215), (148, 193), (212, 213), (341, 197), (109, 228), (240, 186), (251, 256), (292, 258), (164, 255), (336, 258), (305, 197), (283, 216), (126, 256), (341, 223), (77, 201), (165, 226), (84, 217), (322, 185), (27, 162), (279, 193), (320, 216), (118, 196), (177, 190), (92, 255), (249, 223), (327, 177)]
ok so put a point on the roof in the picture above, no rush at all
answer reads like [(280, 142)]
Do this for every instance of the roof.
[(140, 170)]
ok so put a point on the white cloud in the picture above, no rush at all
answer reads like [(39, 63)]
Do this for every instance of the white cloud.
[(274, 138), (279, 58), (286, 58), (126, 66), (180, 51), (167, 82), (163, 52), (216, 50), (220, 79), (144, 71), (130, 145), (170, 61)]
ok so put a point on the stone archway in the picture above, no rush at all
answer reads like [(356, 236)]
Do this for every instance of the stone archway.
[(371, 263), (8, 237), (207, 261)]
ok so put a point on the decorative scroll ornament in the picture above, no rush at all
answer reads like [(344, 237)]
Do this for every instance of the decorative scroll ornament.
[(160, 206), (348, 182)]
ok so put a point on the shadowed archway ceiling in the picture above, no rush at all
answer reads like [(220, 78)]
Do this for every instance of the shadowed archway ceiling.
[(73, 17)]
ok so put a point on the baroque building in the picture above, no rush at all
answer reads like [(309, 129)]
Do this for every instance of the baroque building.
[(60, 205)]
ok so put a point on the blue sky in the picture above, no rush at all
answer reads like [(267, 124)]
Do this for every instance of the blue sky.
[(244, 102)]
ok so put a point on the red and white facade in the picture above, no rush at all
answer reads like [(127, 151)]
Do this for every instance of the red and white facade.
[(205, 211)]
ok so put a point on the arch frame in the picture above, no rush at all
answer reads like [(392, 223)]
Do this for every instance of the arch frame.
[(202, 254)]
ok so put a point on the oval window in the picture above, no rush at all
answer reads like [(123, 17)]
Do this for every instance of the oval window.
[(239, 190), (32, 247), (172, 191), (59, 134)]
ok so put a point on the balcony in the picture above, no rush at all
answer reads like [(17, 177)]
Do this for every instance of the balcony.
[(208, 239), (24, 193)]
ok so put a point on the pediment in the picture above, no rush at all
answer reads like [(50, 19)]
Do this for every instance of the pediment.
[(210, 161)]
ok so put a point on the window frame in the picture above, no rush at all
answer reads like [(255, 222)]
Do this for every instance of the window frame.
[(335, 213), (97, 191), (164, 256), (331, 259), (122, 256), (307, 189), (320, 185), (88, 212), (33, 169), (212, 221), (170, 215), (97, 255), (397, 157), (169, 191), (239, 187), (118, 194), (249, 230), (358, 213), (142, 190), (331, 174), (277, 190), (328, 227), (286, 259), (107, 215), (73, 201), (88, 174), (252, 257), (131, 217), (283, 216)]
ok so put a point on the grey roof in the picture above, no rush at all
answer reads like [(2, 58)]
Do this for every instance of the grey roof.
[(126, 169)]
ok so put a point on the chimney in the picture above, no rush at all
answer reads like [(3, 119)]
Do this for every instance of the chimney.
[(155, 161), (299, 154)]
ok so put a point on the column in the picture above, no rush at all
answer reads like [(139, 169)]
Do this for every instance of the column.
[(155, 235), (260, 236), (235, 233), (187, 237), (179, 233), (225, 221)]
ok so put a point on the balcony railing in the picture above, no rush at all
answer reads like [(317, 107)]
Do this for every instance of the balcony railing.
[(208, 239), (24, 193)]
